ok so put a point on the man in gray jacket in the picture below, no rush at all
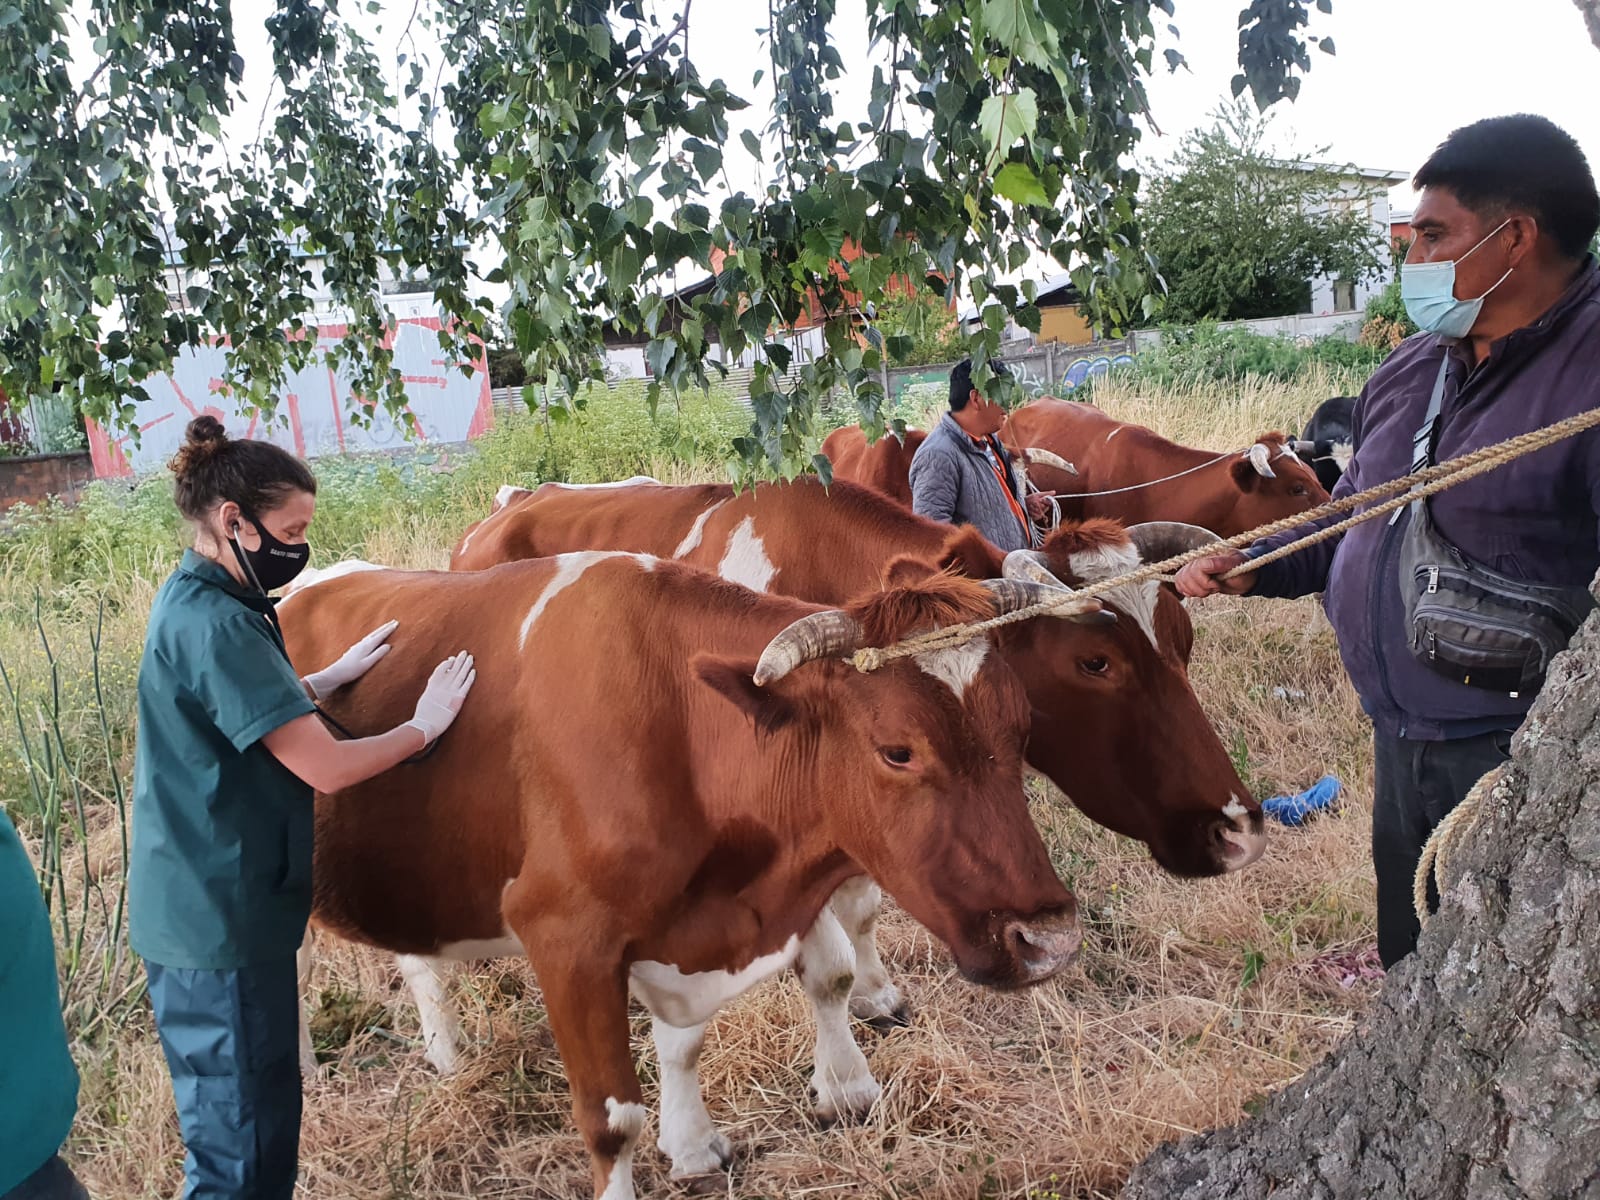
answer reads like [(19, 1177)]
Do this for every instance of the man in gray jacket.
[(962, 475)]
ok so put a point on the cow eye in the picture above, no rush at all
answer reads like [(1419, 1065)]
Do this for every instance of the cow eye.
[(1298, 489), (1096, 666), (896, 756)]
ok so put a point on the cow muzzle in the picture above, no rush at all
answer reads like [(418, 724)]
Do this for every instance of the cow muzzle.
[(1239, 838), (1013, 951), (1041, 948)]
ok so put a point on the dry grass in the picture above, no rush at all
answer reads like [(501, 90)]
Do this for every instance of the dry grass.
[(1191, 1000)]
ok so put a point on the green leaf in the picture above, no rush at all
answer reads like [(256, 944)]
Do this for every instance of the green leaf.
[(1018, 26), (659, 355), (1254, 962), (1004, 119), (1017, 183), (752, 143)]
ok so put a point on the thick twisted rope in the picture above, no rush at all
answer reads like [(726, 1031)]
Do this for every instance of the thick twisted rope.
[(1446, 839), (1402, 491)]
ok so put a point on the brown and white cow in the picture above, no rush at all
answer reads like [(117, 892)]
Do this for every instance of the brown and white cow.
[(1116, 724), (885, 465), (658, 783), (1227, 493)]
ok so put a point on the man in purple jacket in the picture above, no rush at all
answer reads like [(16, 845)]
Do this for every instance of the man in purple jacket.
[(1501, 281)]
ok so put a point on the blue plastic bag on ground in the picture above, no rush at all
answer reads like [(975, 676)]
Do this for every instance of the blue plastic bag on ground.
[(1293, 810)]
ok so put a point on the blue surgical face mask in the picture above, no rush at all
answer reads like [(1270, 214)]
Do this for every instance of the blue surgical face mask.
[(1429, 293)]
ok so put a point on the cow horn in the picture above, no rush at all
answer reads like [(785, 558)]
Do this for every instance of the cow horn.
[(1047, 458), (831, 634), (1304, 448), (1029, 566), (1027, 573), (1157, 541), (1012, 594), (1260, 456)]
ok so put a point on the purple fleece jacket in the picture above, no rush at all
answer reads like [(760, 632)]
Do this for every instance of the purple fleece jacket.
[(1533, 519)]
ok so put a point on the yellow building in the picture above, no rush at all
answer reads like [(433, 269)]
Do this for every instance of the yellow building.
[(1059, 319)]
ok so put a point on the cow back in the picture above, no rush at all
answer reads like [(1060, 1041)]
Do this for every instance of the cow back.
[(884, 465)]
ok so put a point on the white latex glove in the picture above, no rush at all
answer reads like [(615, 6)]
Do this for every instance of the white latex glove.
[(353, 663), (442, 699)]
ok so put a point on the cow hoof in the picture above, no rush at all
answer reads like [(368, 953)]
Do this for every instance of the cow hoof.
[(844, 1103), (711, 1184), (890, 1021), (881, 1008), (703, 1165), (445, 1063)]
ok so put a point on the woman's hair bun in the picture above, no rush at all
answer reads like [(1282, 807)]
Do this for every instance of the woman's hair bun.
[(203, 438)]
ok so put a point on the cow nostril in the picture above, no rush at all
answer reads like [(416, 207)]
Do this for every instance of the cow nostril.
[(1239, 841), (1043, 947)]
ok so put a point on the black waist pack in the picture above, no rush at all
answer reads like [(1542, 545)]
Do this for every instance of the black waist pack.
[(1476, 626), (1471, 624)]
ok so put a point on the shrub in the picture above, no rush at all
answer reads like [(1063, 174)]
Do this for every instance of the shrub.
[(1206, 353), (1387, 324)]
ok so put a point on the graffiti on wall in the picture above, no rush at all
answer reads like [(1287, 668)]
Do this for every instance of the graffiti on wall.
[(314, 405), (1039, 373)]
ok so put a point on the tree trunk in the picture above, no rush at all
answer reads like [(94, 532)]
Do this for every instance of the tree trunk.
[(1477, 1074), (1591, 17)]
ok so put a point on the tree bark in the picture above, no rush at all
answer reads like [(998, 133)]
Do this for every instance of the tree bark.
[(1477, 1074), (1591, 17)]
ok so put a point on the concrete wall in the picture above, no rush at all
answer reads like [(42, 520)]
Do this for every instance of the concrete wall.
[(30, 478)]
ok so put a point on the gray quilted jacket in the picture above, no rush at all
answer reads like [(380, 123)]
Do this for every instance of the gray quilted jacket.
[(952, 481)]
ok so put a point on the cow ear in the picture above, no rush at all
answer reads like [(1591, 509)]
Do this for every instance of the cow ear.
[(734, 679), (1244, 475), (907, 569), (967, 552)]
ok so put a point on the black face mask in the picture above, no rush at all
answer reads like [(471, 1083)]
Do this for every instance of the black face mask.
[(275, 563)]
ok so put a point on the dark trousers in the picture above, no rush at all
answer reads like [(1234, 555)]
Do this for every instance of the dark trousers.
[(231, 1042), (1416, 786), (53, 1181)]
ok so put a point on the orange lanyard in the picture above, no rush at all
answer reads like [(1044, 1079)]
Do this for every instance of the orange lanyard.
[(993, 459)]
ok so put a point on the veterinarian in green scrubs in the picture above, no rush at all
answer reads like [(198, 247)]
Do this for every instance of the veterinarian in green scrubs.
[(230, 752)]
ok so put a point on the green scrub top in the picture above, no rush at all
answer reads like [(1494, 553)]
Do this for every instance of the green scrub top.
[(221, 864), (38, 1083)]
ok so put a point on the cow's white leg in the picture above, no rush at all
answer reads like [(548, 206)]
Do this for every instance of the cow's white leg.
[(309, 1069), (873, 998), (441, 1034), (842, 1082), (627, 1121), (688, 1137)]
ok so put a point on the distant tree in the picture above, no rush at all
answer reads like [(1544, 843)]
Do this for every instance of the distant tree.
[(1238, 231), (919, 328)]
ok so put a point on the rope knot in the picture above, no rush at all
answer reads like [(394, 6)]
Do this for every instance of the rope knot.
[(868, 658)]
